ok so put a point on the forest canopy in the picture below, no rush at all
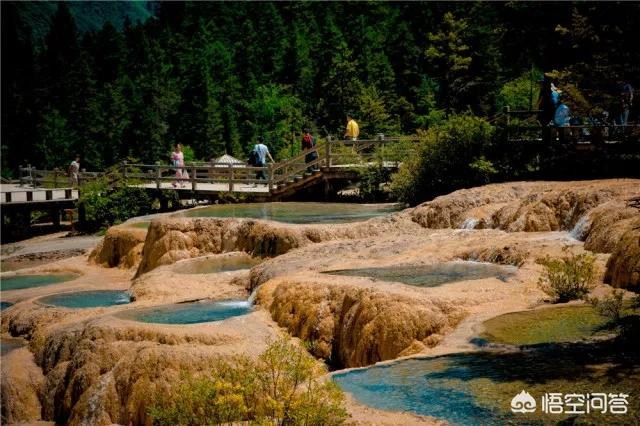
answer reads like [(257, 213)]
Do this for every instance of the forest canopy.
[(215, 75)]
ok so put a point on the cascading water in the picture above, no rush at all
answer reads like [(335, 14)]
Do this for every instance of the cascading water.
[(470, 223), (581, 229)]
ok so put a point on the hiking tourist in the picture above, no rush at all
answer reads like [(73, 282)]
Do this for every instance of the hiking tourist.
[(261, 153), (352, 130), (308, 142), (74, 171), (177, 160), (626, 101)]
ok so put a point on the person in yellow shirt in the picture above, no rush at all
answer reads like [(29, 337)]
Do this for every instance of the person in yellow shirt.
[(353, 130)]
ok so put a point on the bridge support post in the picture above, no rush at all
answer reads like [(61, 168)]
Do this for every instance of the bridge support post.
[(29, 195), (158, 174), (194, 185), (48, 194), (230, 173), (327, 189), (123, 169), (8, 195), (270, 177), (327, 161), (55, 217)]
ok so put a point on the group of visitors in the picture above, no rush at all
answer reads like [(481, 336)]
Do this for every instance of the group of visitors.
[(260, 153), (554, 110), (561, 123)]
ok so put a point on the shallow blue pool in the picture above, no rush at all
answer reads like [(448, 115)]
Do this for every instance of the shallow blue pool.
[(432, 275), (297, 212), (88, 299), (189, 313), (19, 282), (5, 305)]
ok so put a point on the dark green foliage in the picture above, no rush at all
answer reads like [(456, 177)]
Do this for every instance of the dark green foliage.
[(108, 201), (110, 80), (448, 156), (371, 181)]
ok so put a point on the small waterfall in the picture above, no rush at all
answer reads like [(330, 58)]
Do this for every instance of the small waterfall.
[(252, 296), (581, 229), (470, 223)]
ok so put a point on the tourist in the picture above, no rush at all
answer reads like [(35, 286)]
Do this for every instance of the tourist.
[(626, 101), (352, 130), (546, 106), (261, 152), (562, 118), (308, 142), (177, 160), (74, 172)]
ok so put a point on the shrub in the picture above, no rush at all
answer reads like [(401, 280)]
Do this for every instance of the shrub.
[(109, 200), (448, 156), (282, 386), (371, 180), (610, 307), (569, 278)]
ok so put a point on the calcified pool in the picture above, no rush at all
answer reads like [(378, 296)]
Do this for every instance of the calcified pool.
[(19, 282), (297, 212), (545, 325), (7, 344), (477, 388), (189, 313), (432, 275), (88, 299), (5, 305), (217, 263)]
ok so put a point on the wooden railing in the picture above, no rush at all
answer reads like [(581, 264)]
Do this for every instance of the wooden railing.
[(524, 126), (228, 174), (30, 176), (329, 153)]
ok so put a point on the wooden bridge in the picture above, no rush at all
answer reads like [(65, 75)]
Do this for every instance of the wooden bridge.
[(336, 162)]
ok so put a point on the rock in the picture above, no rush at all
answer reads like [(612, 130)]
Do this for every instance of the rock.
[(352, 326), (21, 388), (121, 246), (623, 267), (535, 207), (173, 239)]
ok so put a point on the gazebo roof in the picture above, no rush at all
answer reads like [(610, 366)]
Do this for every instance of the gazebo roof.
[(227, 159)]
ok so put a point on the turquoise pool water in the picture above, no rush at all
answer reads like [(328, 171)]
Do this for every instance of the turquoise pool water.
[(214, 264), (295, 212), (189, 313), (477, 388), (19, 282), (88, 299), (432, 275), (5, 305)]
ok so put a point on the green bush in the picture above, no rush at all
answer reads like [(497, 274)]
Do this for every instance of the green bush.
[(109, 200), (371, 180), (521, 93), (447, 157), (610, 307), (569, 278), (282, 386)]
